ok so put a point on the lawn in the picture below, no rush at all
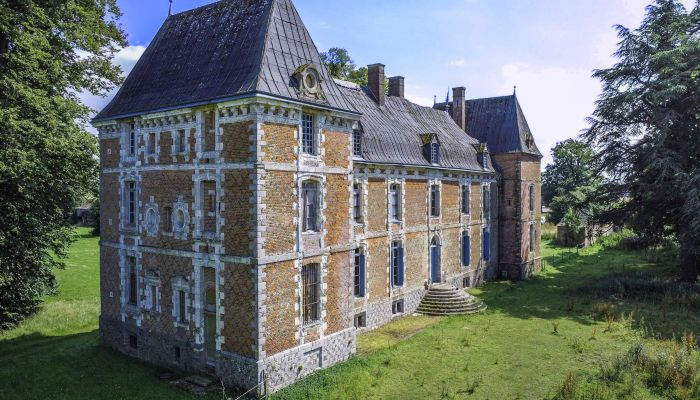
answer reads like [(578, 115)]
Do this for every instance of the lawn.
[(523, 347)]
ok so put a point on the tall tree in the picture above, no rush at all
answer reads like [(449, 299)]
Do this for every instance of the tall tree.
[(338, 62), (49, 52), (646, 127), (571, 180)]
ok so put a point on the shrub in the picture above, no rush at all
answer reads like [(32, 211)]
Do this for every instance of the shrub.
[(603, 310), (569, 388)]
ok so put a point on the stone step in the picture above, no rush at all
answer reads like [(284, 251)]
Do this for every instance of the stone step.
[(441, 308), (444, 299), (450, 305)]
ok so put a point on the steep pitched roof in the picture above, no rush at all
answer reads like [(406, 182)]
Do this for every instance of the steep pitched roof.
[(391, 133), (219, 51), (499, 122)]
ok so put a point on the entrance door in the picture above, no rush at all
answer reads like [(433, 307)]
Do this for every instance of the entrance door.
[(435, 273)]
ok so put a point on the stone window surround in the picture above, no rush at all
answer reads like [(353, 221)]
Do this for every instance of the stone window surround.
[(130, 310), (321, 179), (179, 231), (323, 288), (124, 179), (363, 248), (126, 132), (438, 183), (432, 236), (362, 189), (532, 238), (147, 133), (402, 240), (401, 202), (179, 283), (151, 280), (464, 230), (151, 207), (199, 179), (197, 305), (175, 148)]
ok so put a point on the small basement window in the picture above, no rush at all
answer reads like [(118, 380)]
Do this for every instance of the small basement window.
[(397, 307), (360, 320), (466, 282)]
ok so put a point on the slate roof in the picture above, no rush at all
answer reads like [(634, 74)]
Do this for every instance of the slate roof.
[(223, 50), (499, 122), (391, 133)]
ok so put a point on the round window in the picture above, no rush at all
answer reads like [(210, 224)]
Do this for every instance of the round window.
[(151, 218), (180, 219), (310, 81)]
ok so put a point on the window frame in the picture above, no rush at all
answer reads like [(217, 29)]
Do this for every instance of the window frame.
[(395, 202), (131, 139), (181, 141), (357, 206), (308, 134), (311, 293), (396, 265), (360, 273), (357, 143), (435, 152), (532, 233), (486, 201), (466, 243), (131, 204), (466, 198), (435, 200), (311, 220), (531, 197), (132, 282)]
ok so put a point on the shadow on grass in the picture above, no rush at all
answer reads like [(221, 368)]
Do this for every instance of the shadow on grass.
[(75, 367), (556, 293)]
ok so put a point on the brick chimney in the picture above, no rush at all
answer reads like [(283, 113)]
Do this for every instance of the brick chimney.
[(396, 86), (375, 82), (459, 106)]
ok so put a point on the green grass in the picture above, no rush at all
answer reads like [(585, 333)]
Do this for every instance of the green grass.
[(523, 347)]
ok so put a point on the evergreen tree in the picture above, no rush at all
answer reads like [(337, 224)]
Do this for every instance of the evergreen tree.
[(646, 127), (571, 180), (49, 52)]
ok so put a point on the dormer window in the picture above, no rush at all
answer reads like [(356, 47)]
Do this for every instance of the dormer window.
[(308, 81), (357, 143), (434, 153)]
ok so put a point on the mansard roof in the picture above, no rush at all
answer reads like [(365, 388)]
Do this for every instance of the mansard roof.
[(224, 50), (499, 122), (391, 134)]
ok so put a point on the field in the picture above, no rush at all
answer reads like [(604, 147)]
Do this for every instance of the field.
[(550, 337)]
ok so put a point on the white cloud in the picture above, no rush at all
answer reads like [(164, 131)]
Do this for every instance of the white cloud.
[(555, 100), (458, 63), (130, 54)]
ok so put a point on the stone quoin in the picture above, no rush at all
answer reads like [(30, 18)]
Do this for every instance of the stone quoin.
[(257, 214)]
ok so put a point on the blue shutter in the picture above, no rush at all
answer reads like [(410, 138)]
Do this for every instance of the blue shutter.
[(466, 249), (363, 276), (401, 271), (487, 245)]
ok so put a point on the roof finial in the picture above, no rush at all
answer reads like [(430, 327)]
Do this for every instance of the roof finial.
[(170, 8), (447, 99), (434, 100), (514, 87)]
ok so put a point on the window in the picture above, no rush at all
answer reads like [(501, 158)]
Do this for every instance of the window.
[(209, 206), (487, 244), (397, 269), (360, 320), (434, 153), (181, 141), (310, 201), (181, 306), (395, 202), (486, 202), (360, 276), (397, 307), (532, 237), (466, 249), (131, 203), (357, 143), (435, 200), (153, 289), (132, 282), (311, 304), (531, 197), (168, 218), (308, 142), (465, 199), (466, 282), (152, 143), (132, 139), (357, 202), (177, 353), (133, 342)]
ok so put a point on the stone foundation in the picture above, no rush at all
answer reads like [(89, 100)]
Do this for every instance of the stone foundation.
[(379, 313)]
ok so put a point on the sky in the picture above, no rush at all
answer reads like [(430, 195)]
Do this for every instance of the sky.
[(546, 48)]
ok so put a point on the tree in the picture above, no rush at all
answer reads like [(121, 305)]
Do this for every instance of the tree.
[(646, 127), (339, 64), (49, 52), (570, 182)]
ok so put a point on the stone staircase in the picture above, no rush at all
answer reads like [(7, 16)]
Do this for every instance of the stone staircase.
[(444, 299)]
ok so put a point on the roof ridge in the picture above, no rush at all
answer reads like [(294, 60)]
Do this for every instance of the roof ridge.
[(263, 52)]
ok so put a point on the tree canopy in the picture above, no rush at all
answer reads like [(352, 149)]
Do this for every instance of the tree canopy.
[(50, 51), (646, 127), (571, 180), (339, 64)]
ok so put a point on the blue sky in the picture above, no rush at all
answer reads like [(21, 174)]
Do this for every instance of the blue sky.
[(547, 48)]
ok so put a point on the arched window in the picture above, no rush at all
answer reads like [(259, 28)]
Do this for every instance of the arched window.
[(435, 270), (311, 199)]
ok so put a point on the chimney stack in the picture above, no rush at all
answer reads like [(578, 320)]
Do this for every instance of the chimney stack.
[(459, 106), (375, 82), (396, 86)]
